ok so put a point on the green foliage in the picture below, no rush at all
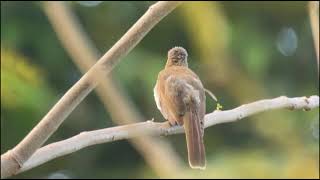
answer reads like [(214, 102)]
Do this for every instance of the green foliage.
[(219, 106), (22, 84)]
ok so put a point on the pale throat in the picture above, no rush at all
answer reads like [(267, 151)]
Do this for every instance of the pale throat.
[(181, 63)]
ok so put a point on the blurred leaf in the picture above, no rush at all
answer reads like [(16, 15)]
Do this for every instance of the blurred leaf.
[(22, 83)]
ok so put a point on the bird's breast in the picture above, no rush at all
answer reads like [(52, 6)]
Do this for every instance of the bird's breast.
[(156, 96)]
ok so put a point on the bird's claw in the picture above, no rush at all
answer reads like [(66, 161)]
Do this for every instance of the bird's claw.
[(152, 120)]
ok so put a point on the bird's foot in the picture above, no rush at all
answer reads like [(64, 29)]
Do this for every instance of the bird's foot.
[(174, 123), (152, 120)]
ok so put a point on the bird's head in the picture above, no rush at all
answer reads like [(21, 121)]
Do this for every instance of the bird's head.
[(177, 56)]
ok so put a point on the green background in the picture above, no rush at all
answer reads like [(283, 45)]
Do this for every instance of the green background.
[(242, 51)]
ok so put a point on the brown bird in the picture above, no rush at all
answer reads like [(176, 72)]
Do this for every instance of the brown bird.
[(180, 96)]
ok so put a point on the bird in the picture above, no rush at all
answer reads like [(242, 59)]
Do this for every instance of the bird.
[(180, 97)]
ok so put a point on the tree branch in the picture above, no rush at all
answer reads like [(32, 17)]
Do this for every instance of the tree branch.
[(12, 160), (90, 138), (84, 54), (314, 21)]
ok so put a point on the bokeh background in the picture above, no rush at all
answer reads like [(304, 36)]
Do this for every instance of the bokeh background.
[(242, 51)]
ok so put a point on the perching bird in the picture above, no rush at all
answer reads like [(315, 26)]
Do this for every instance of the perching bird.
[(180, 96)]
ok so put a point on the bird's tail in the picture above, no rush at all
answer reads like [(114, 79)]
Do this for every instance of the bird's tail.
[(194, 138)]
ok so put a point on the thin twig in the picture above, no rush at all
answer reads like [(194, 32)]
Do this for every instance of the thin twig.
[(211, 94), (90, 138), (84, 54), (314, 21), (12, 160)]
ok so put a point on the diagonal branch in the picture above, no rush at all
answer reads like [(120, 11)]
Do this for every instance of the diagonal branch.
[(314, 21), (106, 135), (84, 54), (12, 160)]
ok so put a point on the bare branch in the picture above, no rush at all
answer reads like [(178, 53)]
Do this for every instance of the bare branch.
[(314, 20), (90, 138), (84, 54), (13, 159)]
